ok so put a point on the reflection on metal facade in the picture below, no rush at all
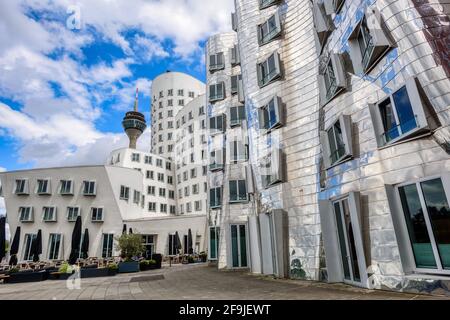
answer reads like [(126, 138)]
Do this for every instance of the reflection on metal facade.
[(353, 98)]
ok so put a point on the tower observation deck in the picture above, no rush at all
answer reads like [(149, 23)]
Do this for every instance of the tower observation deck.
[(134, 124)]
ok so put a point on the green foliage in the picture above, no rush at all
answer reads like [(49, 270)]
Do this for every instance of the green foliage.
[(65, 268), (113, 266), (191, 259), (130, 246), (14, 270)]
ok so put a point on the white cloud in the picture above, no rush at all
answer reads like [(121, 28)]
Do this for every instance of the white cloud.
[(59, 98)]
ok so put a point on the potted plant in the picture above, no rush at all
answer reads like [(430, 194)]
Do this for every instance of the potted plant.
[(112, 269), (130, 246), (144, 265), (64, 271), (17, 276), (190, 259), (203, 256)]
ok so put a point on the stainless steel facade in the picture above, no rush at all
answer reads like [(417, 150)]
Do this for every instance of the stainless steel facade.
[(328, 87)]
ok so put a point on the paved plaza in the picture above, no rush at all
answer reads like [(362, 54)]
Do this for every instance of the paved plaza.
[(196, 282)]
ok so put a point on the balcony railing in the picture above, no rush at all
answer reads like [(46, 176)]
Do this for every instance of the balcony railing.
[(400, 130)]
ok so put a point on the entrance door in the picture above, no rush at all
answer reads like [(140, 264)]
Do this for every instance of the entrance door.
[(239, 245), (347, 245)]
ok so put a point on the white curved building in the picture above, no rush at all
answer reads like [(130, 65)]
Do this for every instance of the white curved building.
[(171, 92)]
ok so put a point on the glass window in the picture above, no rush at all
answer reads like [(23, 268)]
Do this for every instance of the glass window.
[(124, 193), (237, 114), (43, 186), (215, 197), (89, 188), (66, 186), (96, 214), (336, 142), (428, 223), (238, 190), (72, 213), (54, 244), (49, 214), (29, 238), (107, 245), (213, 243)]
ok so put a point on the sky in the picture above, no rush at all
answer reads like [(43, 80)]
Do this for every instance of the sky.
[(69, 71)]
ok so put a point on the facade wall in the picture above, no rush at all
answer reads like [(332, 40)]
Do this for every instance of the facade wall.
[(190, 159), (298, 138), (228, 213), (418, 52), (107, 197)]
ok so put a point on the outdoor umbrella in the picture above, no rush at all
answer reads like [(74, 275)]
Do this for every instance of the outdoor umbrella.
[(85, 244), (190, 249), (14, 248), (36, 246), (130, 231), (2, 238), (76, 238), (124, 230)]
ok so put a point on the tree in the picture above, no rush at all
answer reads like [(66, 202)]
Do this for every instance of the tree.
[(130, 245)]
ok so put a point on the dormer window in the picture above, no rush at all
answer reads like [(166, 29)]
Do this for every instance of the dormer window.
[(269, 30), (269, 70), (22, 187), (43, 186), (216, 61), (89, 188)]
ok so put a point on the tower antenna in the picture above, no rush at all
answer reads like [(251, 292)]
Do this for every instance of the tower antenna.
[(136, 101)]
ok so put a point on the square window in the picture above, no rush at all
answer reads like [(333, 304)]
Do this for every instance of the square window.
[(269, 30), (238, 191), (269, 70)]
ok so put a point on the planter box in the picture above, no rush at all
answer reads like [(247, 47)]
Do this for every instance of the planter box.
[(21, 277), (93, 273), (148, 267), (112, 272), (59, 276), (125, 267)]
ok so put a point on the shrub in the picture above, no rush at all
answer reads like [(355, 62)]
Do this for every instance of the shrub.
[(113, 266), (65, 268), (14, 270), (151, 262), (130, 245)]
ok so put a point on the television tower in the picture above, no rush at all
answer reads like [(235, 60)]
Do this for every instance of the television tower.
[(134, 123)]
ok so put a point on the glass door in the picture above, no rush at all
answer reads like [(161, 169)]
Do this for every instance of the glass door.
[(347, 245), (239, 245), (213, 243)]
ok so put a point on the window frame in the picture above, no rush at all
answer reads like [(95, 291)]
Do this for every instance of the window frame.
[(418, 107), (218, 157), (68, 213), (217, 198), (238, 191), (276, 74), (271, 35), (333, 62), (267, 3), (53, 217), (276, 173), (30, 214), (125, 195), (91, 212), (217, 65), (264, 113), (94, 192), (216, 97), (25, 190), (213, 130), (48, 189), (62, 192), (345, 123), (237, 121)]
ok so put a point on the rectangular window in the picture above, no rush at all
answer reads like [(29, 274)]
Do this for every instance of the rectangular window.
[(235, 83), (332, 77), (216, 160), (193, 173), (152, 206), (151, 190), (169, 179), (174, 245), (195, 189), (54, 244), (27, 254), (401, 115), (124, 193), (213, 243), (72, 213), (181, 92), (181, 102), (234, 24), (215, 197), (198, 205), (263, 4), (216, 92), (43, 186), (237, 115), (216, 61), (238, 151), (161, 177), (216, 124), (135, 157), (186, 191), (162, 192), (168, 166), (159, 163), (269, 30), (271, 167), (238, 191), (191, 94), (173, 209), (107, 245), (148, 160), (49, 214), (66, 187), (136, 197), (97, 214), (201, 111), (163, 208), (269, 70), (271, 115), (89, 188), (171, 194), (337, 141), (170, 92), (150, 175), (21, 187), (26, 214), (235, 57)]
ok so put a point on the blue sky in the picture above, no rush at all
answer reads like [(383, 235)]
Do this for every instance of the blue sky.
[(68, 73)]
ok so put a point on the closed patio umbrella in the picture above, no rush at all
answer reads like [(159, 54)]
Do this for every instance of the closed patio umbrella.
[(190, 248), (36, 246), (124, 230), (76, 238), (130, 231), (2, 238), (85, 245), (14, 248)]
